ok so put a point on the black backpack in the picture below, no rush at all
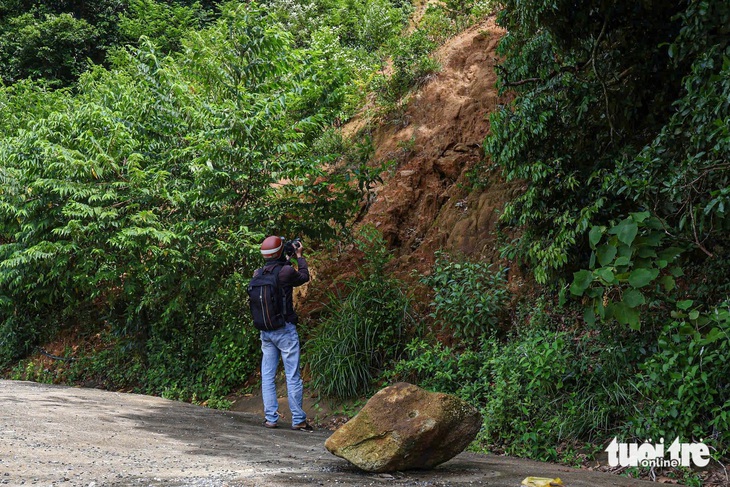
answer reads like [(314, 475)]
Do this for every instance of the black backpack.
[(266, 299)]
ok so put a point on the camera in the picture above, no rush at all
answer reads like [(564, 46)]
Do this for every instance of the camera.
[(290, 246)]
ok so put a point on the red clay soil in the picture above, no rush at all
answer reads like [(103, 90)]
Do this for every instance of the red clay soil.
[(422, 206)]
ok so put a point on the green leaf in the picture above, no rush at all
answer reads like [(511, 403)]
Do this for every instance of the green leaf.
[(651, 240), (594, 236), (625, 231), (626, 315), (685, 305), (581, 281), (605, 254), (669, 254), (595, 292), (714, 335), (607, 275), (668, 283), (589, 315), (640, 217), (694, 314), (622, 261), (625, 251), (642, 277), (686, 329), (633, 298), (646, 252)]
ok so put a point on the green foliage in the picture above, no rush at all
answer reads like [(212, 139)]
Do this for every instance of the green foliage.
[(685, 384), (689, 155), (537, 390), (233, 353), (590, 139), (55, 47), (464, 12), (625, 271), (25, 102), (113, 365), (458, 8), (345, 43), (19, 334), (359, 24), (138, 201), (412, 64), (469, 297), (334, 75), (55, 40), (164, 24), (619, 135), (379, 22), (363, 328)]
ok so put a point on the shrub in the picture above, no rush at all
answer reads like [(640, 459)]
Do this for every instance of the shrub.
[(411, 65), (379, 23), (160, 22), (233, 352), (625, 271), (363, 328), (685, 383), (469, 297), (591, 151), (537, 390)]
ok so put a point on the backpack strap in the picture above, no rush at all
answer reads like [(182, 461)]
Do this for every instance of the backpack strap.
[(273, 268)]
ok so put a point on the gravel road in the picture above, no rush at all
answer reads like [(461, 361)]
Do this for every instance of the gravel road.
[(66, 436)]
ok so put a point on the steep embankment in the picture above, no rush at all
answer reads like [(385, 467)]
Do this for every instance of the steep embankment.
[(425, 204)]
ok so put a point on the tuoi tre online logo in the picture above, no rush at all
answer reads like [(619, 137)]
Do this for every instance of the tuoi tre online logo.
[(654, 455)]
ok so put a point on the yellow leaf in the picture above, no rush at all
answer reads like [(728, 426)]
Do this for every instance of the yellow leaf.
[(541, 482)]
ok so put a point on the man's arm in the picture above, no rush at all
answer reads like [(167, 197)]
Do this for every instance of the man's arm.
[(296, 277)]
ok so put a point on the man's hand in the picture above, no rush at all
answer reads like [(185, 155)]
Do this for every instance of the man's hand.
[(299, 250)]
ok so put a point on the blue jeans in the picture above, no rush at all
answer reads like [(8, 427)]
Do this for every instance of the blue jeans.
[(283, 343)]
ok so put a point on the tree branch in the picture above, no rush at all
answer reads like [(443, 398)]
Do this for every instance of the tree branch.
[(553, 74), (603, 84)]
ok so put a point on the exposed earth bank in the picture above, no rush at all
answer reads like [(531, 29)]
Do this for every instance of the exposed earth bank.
[(66, 436)]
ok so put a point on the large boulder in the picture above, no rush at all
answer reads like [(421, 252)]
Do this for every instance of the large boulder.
[(405, 427)]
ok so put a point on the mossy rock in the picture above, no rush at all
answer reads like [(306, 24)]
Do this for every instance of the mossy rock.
[(404, 427)]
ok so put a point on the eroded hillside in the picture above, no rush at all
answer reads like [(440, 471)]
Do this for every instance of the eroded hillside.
[(425, 203)]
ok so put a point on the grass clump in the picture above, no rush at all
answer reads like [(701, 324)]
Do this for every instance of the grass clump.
[(363, 328)]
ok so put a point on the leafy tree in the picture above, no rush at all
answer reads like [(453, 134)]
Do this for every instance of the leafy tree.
[(358, 23), (619, 133), (684, 173), (137, 201), (603, 90), (56, 47), (56, 40), (163, 23)]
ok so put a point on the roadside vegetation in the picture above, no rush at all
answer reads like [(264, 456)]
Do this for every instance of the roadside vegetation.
[(143, 146)]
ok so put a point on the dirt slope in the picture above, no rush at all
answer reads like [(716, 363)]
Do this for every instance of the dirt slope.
[(422, 205)]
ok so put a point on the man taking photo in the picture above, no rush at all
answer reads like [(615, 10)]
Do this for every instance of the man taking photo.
[(273, 312)]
